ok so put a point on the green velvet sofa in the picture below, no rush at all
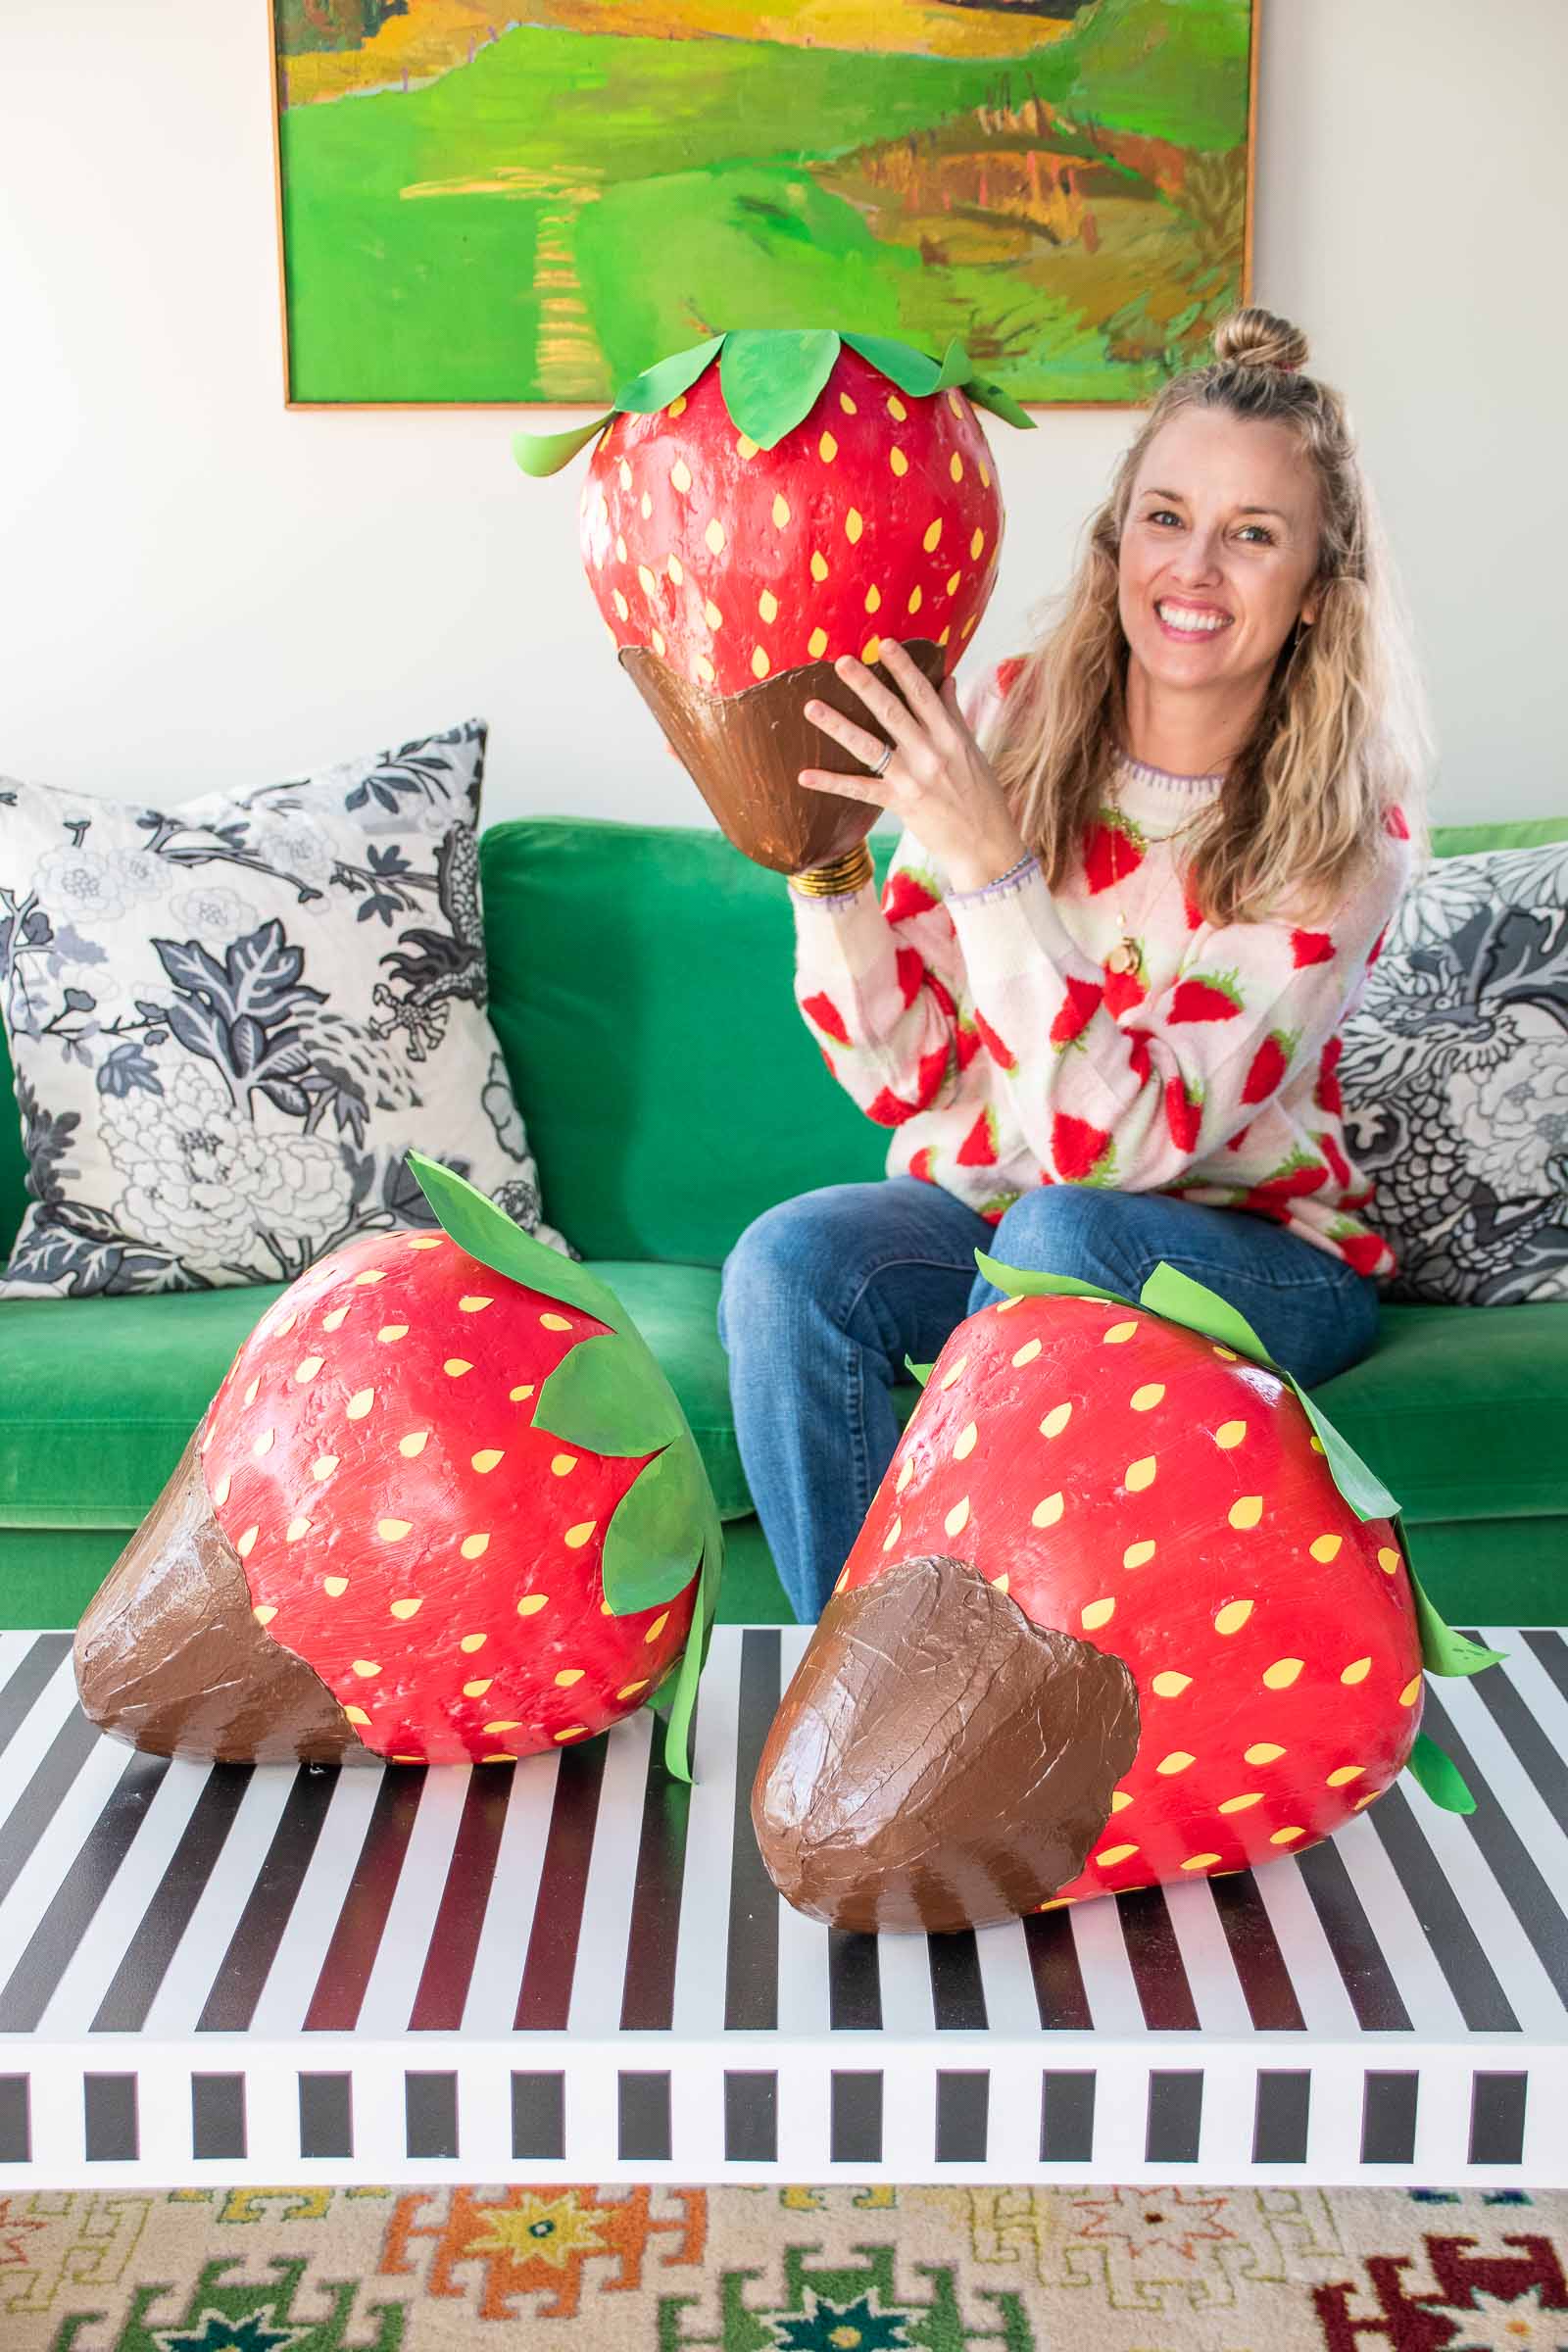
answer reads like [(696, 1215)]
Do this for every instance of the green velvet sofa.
[(640, 982)]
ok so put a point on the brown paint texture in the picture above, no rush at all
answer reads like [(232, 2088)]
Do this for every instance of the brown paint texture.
[(744, 753), (170, 1657), (939, 1761)]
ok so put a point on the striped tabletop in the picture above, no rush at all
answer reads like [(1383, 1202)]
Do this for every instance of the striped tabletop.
[(575, 1967)]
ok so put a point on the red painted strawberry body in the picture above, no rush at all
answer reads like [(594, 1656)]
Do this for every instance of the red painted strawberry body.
[(402, 1525), (1129, 1482), (1114, 848), (878, 514)]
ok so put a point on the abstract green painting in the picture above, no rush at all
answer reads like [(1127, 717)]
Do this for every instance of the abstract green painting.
[(515, 201)]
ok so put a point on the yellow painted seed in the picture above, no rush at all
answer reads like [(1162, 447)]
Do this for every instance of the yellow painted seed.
[(474, 1548), (1144, 1399), (715, 536), (1357, 1671), (828, 449), (334, 1586), (561, 1465), (1230, 1434), (577, 1537), (1177, 1761), (1047, 1513), (1138, 1555), (532, 1603), (336, 1320), (1241, 1804), (1117, 1333), (898, 460), (657, 1626), (365, 1668), (818, 566), (1200, 1862), (478, 1690), (296, 1529), (1140, 1473), (1027, 1352), (404, 1609), (220, 1491), (247, 1542), (1389, 1560), (323, 1466), (1326, 1548), (1119, 1800), (306, 1369), (1055, 1421), (933, 534), (390, 1332), (1247, 1510), (486, 1459), (472, 1641), (712, 614), (555, 1322), (1408, 1696), (963, 1445), (1233, 1616), (568, 1676), (955, 466), (817, 644), (916, 600), (680, 476), (957, 1519), (414, 1443), (456, 1366), (1287, 1837), (1344, 1774), (1170, 1684), (954, 1372), (1113, 1854), (264, 1612), (630, 1690), (393, 1531), (1283, 1673), (1097, 1615), (873, 597), (781, 512), (356, 1715), (768, 605), (359, 1403), (1263, 1751), (895, 409), (854, 525)]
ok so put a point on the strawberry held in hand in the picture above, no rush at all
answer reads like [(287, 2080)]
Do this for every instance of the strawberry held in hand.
[(444, 1509), (1111, 1620), (762, 505)]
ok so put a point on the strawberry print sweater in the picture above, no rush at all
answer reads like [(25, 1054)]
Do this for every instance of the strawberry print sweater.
[(993, 1034)]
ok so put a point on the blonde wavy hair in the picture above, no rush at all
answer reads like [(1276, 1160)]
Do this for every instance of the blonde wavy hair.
[(1342, 733)]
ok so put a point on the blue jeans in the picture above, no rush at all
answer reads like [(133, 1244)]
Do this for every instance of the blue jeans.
[(824, 1295)]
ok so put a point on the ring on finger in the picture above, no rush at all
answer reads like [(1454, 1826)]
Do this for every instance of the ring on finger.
[(881, 766)]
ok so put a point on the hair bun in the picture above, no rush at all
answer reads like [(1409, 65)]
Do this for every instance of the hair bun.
[(1255, 338)]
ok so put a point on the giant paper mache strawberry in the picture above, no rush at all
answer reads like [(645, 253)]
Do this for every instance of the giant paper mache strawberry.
[(444, 1508), (760, 506), (1125, 1608)]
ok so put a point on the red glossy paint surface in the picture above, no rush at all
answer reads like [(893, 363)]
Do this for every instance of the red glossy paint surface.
[(1162, 1499), (434, 1556), (812, 548)]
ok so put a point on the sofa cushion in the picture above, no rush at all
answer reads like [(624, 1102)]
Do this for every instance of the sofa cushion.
[(642, 992), (1455, 1081), (99, 1395), (230, 1019)]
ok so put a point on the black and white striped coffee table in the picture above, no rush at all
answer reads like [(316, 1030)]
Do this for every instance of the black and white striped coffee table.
[(574, 1969)]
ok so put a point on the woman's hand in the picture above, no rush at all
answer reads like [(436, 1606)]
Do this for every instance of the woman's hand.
[(938, 782)]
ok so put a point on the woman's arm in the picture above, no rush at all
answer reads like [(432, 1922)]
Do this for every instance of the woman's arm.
[(863, 980)]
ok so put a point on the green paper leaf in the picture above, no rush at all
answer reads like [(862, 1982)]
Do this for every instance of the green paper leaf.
[(1361, 1486), (1022, 1282), (540, 454), (1180, 1300), (488, 1234), (679, 1728), (611, 1395), (667, 379), (770, 378), (913, 371), (1443, 1650), (987, 395), (1438, 1776), (919, 1373), (654, 1541), (957, 367)]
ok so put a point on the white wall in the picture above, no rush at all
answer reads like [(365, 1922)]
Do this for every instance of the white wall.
[(197, 586)]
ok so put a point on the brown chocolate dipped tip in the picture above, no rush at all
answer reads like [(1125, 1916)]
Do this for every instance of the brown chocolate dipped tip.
[(744, 753), (170, 1657), (938, 1761)]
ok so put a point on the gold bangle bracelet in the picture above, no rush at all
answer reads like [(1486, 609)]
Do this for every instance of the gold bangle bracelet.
[(848, 873)]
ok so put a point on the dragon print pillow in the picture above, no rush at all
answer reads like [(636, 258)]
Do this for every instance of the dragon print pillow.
[(1455, 1081), (230, 1019)]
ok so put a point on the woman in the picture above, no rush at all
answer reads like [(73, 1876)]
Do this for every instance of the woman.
[(1099, 1001)]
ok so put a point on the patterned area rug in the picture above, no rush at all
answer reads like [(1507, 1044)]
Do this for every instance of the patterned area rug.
[(784, 2269)]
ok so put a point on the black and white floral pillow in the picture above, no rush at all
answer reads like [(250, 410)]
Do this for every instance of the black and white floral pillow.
[(1455, 1081), (230, 1019)]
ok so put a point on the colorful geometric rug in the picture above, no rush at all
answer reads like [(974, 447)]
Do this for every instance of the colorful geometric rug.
[(1180, 2269)]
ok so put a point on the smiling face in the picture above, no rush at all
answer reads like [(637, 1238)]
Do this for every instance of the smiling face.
[(1218, 553)]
